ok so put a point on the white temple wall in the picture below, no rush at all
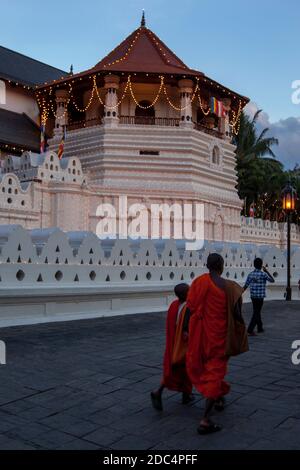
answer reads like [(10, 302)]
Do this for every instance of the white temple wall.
[(48, 275), (19, 100), (267, 232), (63, 197)]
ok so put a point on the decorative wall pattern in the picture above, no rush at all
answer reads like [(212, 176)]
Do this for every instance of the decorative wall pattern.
[(51, 258)]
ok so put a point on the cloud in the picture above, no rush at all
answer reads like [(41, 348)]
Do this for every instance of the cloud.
[(287, 131)]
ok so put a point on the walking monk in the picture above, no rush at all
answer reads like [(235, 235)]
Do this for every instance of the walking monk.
[(216, 332), (174, 372)]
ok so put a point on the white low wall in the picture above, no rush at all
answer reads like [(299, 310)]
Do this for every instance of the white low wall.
[(49, 275), (269, 232)]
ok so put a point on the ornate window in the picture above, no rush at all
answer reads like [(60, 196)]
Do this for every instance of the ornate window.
[(215, 155)]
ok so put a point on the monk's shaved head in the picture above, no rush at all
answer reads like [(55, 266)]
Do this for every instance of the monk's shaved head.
[(181, 291), (215, 262)]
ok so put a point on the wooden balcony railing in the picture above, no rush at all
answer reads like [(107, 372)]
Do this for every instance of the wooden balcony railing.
[(143, 120), (83, 123), (207, 130), (149, 120)]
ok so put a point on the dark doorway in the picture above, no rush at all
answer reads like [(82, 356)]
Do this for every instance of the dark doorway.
[(144, 116)]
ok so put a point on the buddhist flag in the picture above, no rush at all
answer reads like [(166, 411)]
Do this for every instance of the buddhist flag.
[(62, 145), (252, 210), (42, 141), (216, 107)]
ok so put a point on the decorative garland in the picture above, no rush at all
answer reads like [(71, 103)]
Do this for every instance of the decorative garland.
[(234, 122), (126, 53), (100, 99), (155, 99)]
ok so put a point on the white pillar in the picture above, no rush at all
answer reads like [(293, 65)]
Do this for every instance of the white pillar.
[(111, 111), (186, 90), (61, 120)]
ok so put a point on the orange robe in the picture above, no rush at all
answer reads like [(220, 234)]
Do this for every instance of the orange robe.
[(206, 359), (175, 376)]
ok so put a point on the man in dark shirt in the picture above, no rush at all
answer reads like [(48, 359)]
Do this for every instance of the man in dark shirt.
[(257, 280)]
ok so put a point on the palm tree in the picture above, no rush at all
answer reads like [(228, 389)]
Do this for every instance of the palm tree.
[(249, 145), (259, 174)]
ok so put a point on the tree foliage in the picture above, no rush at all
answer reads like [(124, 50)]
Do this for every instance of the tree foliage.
[(261, 177)]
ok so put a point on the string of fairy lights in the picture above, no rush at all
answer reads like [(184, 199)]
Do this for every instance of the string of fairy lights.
[(48, 104), (235, 123), (124, 57), (269, 206)]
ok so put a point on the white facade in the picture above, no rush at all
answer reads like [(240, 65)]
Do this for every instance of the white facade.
[(159, 164), (19, 99), (41, 191)]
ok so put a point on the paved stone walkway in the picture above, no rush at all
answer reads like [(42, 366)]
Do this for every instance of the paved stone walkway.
[(86, 385)]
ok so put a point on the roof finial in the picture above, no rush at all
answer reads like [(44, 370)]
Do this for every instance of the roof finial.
[(143, 21), (71, 69)]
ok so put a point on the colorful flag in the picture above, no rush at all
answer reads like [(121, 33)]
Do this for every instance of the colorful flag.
[(252, 210), (42, 142), (216, 107), (62, 145)]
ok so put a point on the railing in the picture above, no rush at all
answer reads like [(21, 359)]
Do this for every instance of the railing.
[(83, 123), (143, 121), (207, 130), (149, 120)]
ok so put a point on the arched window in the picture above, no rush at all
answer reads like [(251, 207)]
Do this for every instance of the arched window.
[(216, 155), (144, 116), (2, 92)]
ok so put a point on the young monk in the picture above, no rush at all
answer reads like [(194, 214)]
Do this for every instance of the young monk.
[(216, 332), (174, 370)]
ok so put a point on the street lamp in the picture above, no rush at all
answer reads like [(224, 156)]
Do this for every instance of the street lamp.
[(289, 197)]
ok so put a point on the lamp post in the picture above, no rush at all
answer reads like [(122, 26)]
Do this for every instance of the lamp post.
[(288, 204)]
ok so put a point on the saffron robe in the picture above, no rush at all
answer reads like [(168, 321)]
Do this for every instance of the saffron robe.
[(210, 337), (175, 376)]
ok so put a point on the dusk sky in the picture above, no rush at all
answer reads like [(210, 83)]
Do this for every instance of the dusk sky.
[(250, 46)]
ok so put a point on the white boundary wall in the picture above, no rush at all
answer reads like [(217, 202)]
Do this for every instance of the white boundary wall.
[(269, 232), (48, 275)]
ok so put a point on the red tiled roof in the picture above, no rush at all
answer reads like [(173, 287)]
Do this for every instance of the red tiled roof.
[(143, 51)]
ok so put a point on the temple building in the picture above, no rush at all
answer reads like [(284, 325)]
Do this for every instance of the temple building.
[(19, 112), (139, 123)]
